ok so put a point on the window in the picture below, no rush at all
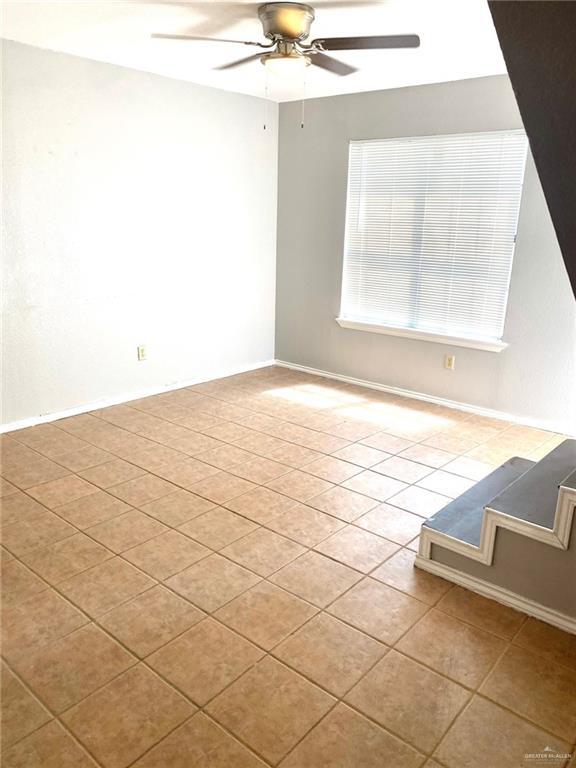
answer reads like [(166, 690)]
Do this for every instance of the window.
[(430, 232)]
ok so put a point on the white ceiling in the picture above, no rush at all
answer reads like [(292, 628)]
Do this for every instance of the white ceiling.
[(458, 40)]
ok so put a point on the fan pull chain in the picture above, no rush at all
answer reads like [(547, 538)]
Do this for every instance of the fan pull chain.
[(265, 98), (303, 102)]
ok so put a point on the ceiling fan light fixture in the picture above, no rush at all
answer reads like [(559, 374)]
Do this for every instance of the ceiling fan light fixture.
[(285, 65), (286, 21)]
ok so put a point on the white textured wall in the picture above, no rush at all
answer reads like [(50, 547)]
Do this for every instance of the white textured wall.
[(138, 210), (535, 378)]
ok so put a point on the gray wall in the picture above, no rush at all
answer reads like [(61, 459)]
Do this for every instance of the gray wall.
[(535, 377), (537, 571), (138, 210)]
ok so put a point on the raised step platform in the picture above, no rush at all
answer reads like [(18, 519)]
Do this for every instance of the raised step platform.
[(532, 499), (462, 518), (534, 496), (510, 537)]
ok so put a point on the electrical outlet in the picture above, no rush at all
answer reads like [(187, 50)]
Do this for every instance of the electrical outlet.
[(450, 362), (141, 352)]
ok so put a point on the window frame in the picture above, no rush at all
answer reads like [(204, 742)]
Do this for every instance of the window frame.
[(487, 345), (471, 342)]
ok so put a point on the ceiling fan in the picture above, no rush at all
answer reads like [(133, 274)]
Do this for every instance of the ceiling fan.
[(287, 26)]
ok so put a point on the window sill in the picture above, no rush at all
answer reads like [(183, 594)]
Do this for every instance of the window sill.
[(488, 345)]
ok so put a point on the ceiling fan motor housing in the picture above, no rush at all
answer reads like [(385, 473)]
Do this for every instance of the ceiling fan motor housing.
[(286, 21)]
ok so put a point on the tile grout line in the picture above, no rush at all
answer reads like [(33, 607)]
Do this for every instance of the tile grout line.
[(258, 484), (55, 717), (262, 484), (476, 692), (269, 652), (222, 504), (137, 660), (308, 550), (140, 660), (470, 417)]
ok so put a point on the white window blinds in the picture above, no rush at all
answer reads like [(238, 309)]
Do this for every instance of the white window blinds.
[(430, 231)]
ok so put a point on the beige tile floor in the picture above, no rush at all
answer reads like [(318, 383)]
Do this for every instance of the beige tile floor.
[(222, 576)]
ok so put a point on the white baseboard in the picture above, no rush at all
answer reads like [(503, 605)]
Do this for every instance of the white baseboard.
[(126, 398), (501, 595), (527, 421)]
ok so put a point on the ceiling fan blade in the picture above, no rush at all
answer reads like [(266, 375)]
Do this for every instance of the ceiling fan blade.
[(239, 62), (332, 65), (160, 36), (372, 41)]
